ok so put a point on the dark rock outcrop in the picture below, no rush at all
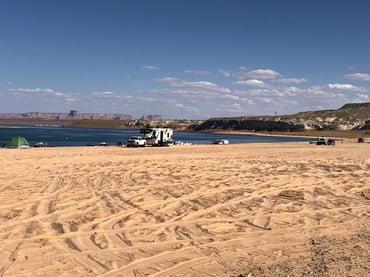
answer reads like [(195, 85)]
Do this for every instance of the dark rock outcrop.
[(251, 125), (366, 126)]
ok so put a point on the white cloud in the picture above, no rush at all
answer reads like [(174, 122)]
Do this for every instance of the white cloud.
[(320, 91), (103, 94), (290, 80), (346, 87), (224, 73), (197, 72), (341, 86), (232, 96), (201, 84), (33, 90), (192, 87), (236, 106), (358, 76), (150, 67), (42, 92), (267, 100), (266, 94), (255, 82), (294, 90), (166, 80), (261, 74), (147, 99), (363, 97), (205, 86)]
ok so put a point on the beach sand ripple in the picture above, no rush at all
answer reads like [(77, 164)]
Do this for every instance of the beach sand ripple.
[(204, 210)]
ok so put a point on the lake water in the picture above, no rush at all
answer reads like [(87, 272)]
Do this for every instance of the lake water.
[(60, 136)]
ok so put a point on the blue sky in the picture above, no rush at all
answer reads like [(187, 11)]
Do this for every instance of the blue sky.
[(183, 59)]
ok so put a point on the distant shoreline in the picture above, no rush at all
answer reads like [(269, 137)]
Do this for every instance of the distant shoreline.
[(5, 126), (336, 134), (118, 124)]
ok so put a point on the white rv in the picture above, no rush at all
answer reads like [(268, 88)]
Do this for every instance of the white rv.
[(157, 136)]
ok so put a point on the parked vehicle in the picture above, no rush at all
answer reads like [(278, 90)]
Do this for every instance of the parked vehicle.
[(220, 141), (157, 136), (325, 141), (136, 142), (40, 144)]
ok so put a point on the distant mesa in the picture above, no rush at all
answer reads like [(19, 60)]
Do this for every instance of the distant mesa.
[(75, 115), (72, 115), (151, 117)]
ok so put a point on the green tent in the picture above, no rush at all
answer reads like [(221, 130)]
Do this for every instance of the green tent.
[(19, 142)]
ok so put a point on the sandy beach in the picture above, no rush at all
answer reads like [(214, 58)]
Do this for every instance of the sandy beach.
[(294, 209)]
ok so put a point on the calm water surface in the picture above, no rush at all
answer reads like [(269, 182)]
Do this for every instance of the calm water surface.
[(60, 136)]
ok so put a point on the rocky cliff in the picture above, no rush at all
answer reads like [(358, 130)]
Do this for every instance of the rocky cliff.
[(349, 117)]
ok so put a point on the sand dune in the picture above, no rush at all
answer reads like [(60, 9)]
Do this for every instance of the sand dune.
[(204, 210)]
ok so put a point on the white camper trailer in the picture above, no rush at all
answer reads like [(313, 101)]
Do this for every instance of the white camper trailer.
[(157, 136)]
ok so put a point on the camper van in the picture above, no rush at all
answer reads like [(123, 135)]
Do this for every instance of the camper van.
[(157, 136), (325, 141)]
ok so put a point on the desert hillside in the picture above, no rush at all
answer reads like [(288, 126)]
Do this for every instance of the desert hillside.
[(354, 116)]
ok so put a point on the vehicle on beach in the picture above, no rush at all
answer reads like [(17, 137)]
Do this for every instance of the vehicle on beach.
[(324, 141), (40, 144), (220, 141), (157, 136), (136, 142)]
